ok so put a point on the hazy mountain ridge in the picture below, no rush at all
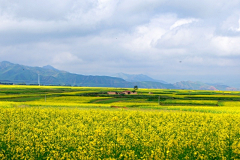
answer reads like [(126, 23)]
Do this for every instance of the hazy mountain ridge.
[(49, 67), (202, 86), (137, 78), (180, 85), (49, 75)]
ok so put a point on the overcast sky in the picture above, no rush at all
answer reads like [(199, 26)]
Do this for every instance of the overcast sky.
[(170, 40)]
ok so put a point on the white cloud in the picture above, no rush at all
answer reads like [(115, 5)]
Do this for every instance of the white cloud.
[(104, 36), (145, 36), (165, 34), (226, 46), (182, 22), (65, 58), (238, 29)]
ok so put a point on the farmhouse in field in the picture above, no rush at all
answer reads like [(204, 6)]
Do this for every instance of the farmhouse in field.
[(124, 92), (128, 92)]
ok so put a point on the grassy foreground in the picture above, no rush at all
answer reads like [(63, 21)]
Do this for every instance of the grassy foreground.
[(86, 123)]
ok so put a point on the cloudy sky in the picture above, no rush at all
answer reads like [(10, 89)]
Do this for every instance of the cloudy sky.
[(168, 40)]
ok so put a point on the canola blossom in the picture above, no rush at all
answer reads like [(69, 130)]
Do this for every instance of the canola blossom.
[(56, 122), (62, 133)]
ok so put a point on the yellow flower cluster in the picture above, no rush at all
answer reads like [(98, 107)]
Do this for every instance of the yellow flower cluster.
[(50, 133), (205, 109), (192, 102)]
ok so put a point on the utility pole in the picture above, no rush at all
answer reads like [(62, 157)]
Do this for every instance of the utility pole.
[(38, 80)]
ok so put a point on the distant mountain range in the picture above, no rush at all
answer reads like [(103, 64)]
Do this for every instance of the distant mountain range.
[(20, 74), (48, 75), (137, 78), (202, 86)]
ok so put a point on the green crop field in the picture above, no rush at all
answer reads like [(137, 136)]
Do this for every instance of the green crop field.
[(54, 122)]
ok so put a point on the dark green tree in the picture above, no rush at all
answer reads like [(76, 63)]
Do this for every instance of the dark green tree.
[(135, 88)]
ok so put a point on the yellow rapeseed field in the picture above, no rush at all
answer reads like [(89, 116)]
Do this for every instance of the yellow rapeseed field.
[(53, 133), (56, 122)]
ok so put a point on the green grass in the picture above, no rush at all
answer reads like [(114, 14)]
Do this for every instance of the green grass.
[(190, 102), (106, 101)]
